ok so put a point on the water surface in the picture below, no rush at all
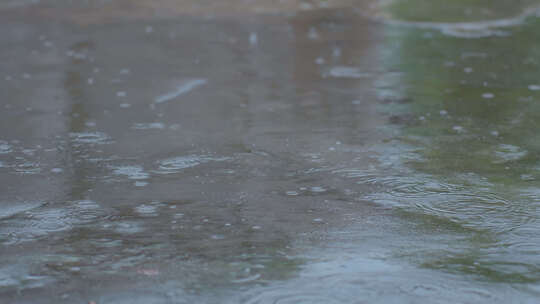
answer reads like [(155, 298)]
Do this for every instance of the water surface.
[(302, 152)]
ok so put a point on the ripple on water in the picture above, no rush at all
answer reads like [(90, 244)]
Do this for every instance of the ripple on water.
[(148, 126), (27, 168), (40, 219), (505, 153), (9, 209), (90, 138), (347, 72), (132, 172), (5, 147), (150, 209), (478, 29), (126, 227), (469, 200), (176, 164)]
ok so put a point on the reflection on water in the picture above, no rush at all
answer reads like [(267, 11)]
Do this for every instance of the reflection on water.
[(315, 155)]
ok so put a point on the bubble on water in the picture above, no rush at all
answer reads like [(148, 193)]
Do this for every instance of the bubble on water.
[(347, 72), (146, 126), (90, 124), (319, 60), (356, 102), (443, 112), (140, 184), (318, 220), (494, 133), (534, 87), (256, 227), (121, 94), (468, 70), (125, 105), (26, 76), (57, 170), (292, 193), (90, 81), (148, 29), (488, 95), (125, 71)]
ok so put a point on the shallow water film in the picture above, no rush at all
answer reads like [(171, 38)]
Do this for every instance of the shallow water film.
[(332, 151)]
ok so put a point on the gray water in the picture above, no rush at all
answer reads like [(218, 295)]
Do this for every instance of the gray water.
[(253, 152)]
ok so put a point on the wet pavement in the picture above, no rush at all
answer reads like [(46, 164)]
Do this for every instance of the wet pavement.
[(248, 152)]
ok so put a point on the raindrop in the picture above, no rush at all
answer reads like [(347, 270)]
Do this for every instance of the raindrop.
[(253, 39)]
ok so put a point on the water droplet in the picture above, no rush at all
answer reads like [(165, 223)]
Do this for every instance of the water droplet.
[(312, 34), (253, 40)]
